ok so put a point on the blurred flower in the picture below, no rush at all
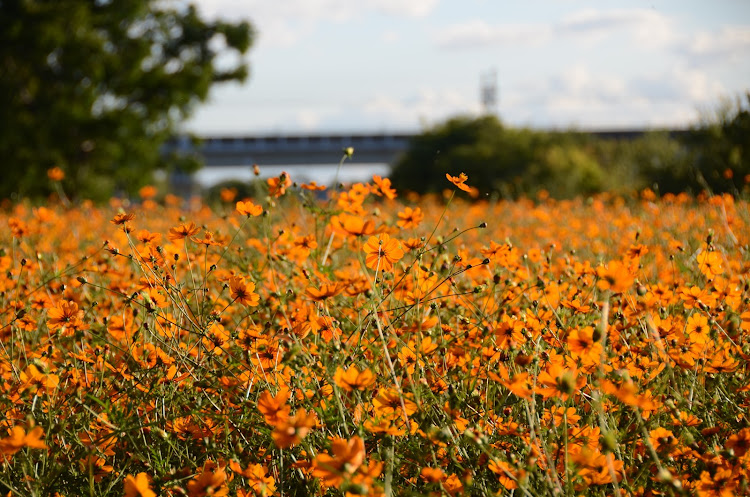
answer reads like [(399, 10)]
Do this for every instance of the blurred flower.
[(56, 174), (122, 218), (277, 185), (352, 225), (410, 218), (148, 192), (383, 187), (353, 378), (228, 194), (247, 208), (183, 231), (292, 430), (138, 486), (345, 458), (18, 439), (274, 408), (710, 263), (210, 482)]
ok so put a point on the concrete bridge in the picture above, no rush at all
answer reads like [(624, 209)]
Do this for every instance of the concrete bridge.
[(286, 150), (318, 149)]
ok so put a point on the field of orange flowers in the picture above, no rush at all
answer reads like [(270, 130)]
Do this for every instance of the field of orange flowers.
[(375, 344)]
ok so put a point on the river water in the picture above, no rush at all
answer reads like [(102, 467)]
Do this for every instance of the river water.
[(323, 174)]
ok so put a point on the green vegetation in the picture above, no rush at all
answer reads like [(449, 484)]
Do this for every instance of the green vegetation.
[(95, 87), (713, 156)]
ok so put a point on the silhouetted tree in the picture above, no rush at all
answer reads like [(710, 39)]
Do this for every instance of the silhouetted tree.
[(96, 86)]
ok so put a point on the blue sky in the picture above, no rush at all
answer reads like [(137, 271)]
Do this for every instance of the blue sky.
[(401, 65)]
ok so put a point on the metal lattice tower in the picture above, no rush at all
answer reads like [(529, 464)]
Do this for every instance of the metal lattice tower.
[(488, 92)]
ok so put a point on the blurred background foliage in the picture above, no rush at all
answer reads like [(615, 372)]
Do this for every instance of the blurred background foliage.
[(713, 155), (95, 87)]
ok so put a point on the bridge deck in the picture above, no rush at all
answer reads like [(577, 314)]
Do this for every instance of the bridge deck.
[(315, 149)]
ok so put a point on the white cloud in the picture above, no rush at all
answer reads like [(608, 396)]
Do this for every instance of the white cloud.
[(427, 106), (679, 85), (286, 22), (400, 8), (308, 119), (390, 36), (642, 24), (314, 10), (479, 33), (589, 100), (731, 43)]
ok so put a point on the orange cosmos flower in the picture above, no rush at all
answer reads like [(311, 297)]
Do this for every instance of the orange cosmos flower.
[(247, 208), (211, 481), (228, 194), (314, 186), (348, 456), (662, 439), (326, 290), (581, 341), (145, 236), (138, 486), (353, 378), (261, 484), (352, 225), (709, 264), (243, 292), (453, 485), (277, 186), (697, 328), (19, 439), (382, 252), (558, 414), (739, 442), (557, 382), (721, 482), (388, 403), (384, 185), (627, 392), (413, 243), (614, 276), (292, 430), (274, 408), (505, 472), (431, 475), (460, 182), (183, 231), (56, 174), (147, 192), (209, 240), (519, 385), (65, 315), (38, 381), (122, 218), (410, 218)]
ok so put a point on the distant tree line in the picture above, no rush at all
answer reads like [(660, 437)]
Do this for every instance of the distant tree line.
[(713, 155)]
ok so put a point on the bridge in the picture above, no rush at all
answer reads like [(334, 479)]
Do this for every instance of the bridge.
[(286, 150), (318, 149)]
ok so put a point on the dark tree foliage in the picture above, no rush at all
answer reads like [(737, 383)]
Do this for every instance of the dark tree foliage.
[(498, 159), (714, 156), (96, 86), (475, 146), (721, 147)]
